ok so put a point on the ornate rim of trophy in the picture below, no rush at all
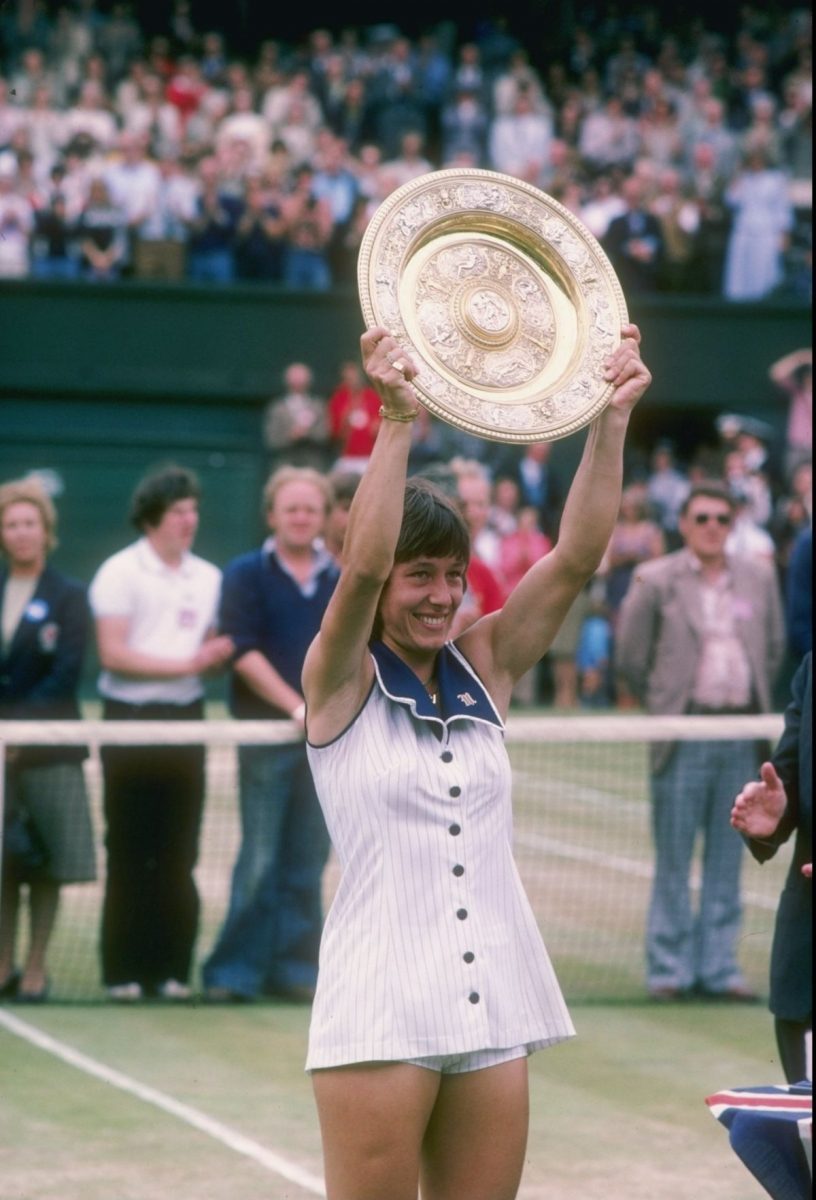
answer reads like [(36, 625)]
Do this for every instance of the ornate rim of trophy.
[(504, 299)]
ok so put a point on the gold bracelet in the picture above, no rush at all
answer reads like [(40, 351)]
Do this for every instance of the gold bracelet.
[(390, 415)]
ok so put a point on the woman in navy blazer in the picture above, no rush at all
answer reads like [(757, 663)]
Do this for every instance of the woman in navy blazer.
[(768, 812), (44, 622)]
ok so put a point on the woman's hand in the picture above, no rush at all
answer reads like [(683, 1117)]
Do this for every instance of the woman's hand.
[(390, 370), (626, 371)]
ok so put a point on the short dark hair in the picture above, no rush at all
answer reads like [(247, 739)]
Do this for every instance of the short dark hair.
[(432, 524), (715, 489), (159, 491)]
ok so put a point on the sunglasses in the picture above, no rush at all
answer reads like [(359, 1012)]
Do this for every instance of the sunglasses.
[(704, 518)]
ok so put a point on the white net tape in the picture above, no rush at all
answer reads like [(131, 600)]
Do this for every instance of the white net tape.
[(582, 838)]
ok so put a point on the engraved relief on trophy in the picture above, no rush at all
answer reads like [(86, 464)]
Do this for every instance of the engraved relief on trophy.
[(485, 313)]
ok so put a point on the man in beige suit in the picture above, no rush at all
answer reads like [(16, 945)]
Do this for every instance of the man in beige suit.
[(699, 632)]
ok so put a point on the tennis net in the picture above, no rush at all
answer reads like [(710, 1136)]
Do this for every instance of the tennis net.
[(582, 840)]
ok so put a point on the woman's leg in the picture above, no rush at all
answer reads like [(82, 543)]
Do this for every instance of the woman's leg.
[(476, 1138), (9, 911), (373, 1118), (43, 902)]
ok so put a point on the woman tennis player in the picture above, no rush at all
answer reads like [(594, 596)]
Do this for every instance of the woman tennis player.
[(434, 984)]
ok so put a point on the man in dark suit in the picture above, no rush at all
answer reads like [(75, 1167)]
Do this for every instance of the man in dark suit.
[(767, 812), (634, 242)]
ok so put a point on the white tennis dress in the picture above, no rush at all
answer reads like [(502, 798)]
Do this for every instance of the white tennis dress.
[(431, 946)]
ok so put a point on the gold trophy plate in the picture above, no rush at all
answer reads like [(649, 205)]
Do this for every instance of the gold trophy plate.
[(505, 301)]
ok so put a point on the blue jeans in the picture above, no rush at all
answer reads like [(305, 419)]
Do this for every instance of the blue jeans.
[(271, 935), (211, 266), (306, 269), (693, 795)]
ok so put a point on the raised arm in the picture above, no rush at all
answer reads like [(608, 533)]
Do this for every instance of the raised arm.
[(503, 645), (337, 672)]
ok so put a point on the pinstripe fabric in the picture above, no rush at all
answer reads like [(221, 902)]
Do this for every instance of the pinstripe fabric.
[(430, 947)]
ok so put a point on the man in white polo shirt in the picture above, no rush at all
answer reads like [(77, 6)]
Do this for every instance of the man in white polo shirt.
[(155, 606)]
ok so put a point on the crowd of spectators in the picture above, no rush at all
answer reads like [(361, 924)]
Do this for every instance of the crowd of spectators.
[(125, 152)]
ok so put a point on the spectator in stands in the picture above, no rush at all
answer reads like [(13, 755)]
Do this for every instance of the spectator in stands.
[(409, 163), (609, 138), (273, 602), (211, 241), (259, 233), (593, 654), (335, 182), (308, 229), (519, 140), (540, 486), (133, 183), (161, 243), (636, 538), (762, 222), (154, 119), (767, 812), (679, 218), (465, 123), (48, 840), (45, 127), (279, 101), (518, 75), (243, 123), (16, 222), (295, 426), (699, 633), (518, 550), (31, 73), (666, 489), (90, 115), (102, 235), (354, 418), (602, 205), (155, 605), (54, 251), (348, 114), (706, 181), (635, 242)]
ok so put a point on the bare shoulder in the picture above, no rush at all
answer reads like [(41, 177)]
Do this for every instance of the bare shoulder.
[(332, 701)]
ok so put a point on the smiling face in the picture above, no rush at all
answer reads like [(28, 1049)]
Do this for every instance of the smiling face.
[(418, 605)]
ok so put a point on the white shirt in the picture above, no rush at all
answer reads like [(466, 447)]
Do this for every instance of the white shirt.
[(170, 610)]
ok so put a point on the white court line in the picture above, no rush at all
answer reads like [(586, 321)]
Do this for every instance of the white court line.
[(192, 1116)]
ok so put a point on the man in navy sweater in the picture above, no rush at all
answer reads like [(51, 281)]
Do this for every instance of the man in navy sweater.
[(273, 600)]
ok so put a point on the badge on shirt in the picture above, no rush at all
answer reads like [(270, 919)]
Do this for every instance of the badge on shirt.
[(48, 637), (36, 610), (186, 618)]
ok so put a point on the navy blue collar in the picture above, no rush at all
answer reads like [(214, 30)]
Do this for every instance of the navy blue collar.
[(462, 696)]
